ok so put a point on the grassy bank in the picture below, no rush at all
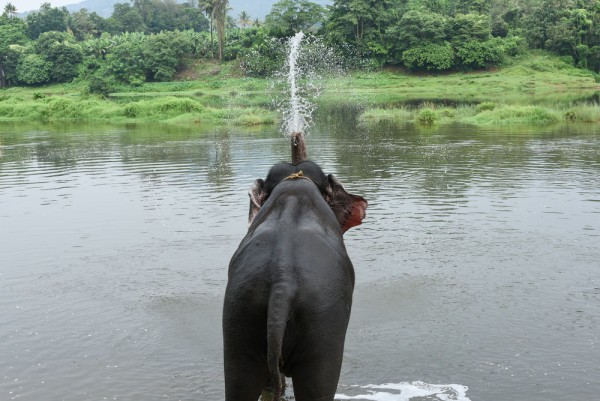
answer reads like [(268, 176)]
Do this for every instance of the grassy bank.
[(536, 90)]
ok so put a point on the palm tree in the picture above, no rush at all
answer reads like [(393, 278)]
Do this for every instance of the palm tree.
[(220, 13), (208, 6), (10, 10), (244, 20)]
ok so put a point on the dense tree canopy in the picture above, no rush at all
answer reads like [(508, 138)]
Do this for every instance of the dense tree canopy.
[(153, 39), (290, 16)]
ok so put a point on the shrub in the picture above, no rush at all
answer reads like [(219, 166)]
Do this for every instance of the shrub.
[(429, 57), (514, 46), (264, 58), (426, 117), (33, 70), (518, 115), (99, 84), (131, 110), (485, 106), (475, 54)]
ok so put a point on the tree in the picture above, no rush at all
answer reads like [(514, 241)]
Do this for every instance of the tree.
[(126, 58), (430, 56), (12, 33), (244, 20), (61, 52), (287, 17), (83, 25), (220, 15), (540, 16), (209, 8), (9, 10), (192, 18), (568, 35), (466, 27), (127, 18), (417, 28), (364, 24), (46, 19), (475, 54), (164, 53), (33, 70), (472, 6)]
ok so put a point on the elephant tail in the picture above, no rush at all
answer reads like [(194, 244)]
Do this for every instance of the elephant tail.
[(280, 305)]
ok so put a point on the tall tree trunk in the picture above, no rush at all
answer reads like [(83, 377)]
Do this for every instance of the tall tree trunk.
[(221, 15), (2, 78), (221, 38), (212, 42)]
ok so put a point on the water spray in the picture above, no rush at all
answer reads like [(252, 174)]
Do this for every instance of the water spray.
[(295, 122)]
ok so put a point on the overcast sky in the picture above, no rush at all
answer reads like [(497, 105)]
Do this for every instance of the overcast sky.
[(28, 5)]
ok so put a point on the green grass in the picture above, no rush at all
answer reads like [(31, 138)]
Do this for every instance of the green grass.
[(500, 115), (536, 90)]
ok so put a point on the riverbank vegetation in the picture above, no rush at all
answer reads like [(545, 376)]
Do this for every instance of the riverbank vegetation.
[(419, 61), (520, 94)]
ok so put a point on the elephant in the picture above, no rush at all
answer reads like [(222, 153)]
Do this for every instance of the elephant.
[(290, 283)]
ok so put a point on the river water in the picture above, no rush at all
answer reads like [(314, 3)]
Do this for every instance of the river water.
[(477, 267)]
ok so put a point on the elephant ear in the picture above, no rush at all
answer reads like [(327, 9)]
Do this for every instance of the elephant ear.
[(258, 196), (349, 209)]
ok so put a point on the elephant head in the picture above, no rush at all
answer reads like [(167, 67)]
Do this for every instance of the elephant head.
[(349, 209)]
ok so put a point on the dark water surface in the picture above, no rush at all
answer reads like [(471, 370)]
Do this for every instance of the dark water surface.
[(478, 263)]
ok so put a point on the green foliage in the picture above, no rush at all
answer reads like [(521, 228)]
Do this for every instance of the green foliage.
[(426, 117), (100, 84), (84, 25), (33, 69), (517, 115), (476, 55), (364, 25), (46, 19), (514, 46), (430, 57), (470, 27), (164, 54), (11, 62), (162, 37), (288, 17), (155, 16), (485, 106), (266, 56), (60, 50), (126, 58), (418, 27), (13, 31), (127, 18)]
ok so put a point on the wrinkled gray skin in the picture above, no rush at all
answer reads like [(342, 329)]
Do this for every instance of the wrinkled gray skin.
[(289, 293)]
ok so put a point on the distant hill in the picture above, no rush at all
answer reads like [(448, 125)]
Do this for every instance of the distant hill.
[(104, 8), (259, 8), (255, 8)]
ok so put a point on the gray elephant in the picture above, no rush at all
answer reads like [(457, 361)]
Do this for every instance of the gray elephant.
[(289, 291)]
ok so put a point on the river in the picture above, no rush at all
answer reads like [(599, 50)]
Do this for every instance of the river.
[(477, 273)]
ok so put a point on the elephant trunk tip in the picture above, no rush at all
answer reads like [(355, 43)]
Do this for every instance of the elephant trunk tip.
[(299, 153)]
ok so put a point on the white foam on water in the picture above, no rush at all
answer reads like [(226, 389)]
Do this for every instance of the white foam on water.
[(408, 390)]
